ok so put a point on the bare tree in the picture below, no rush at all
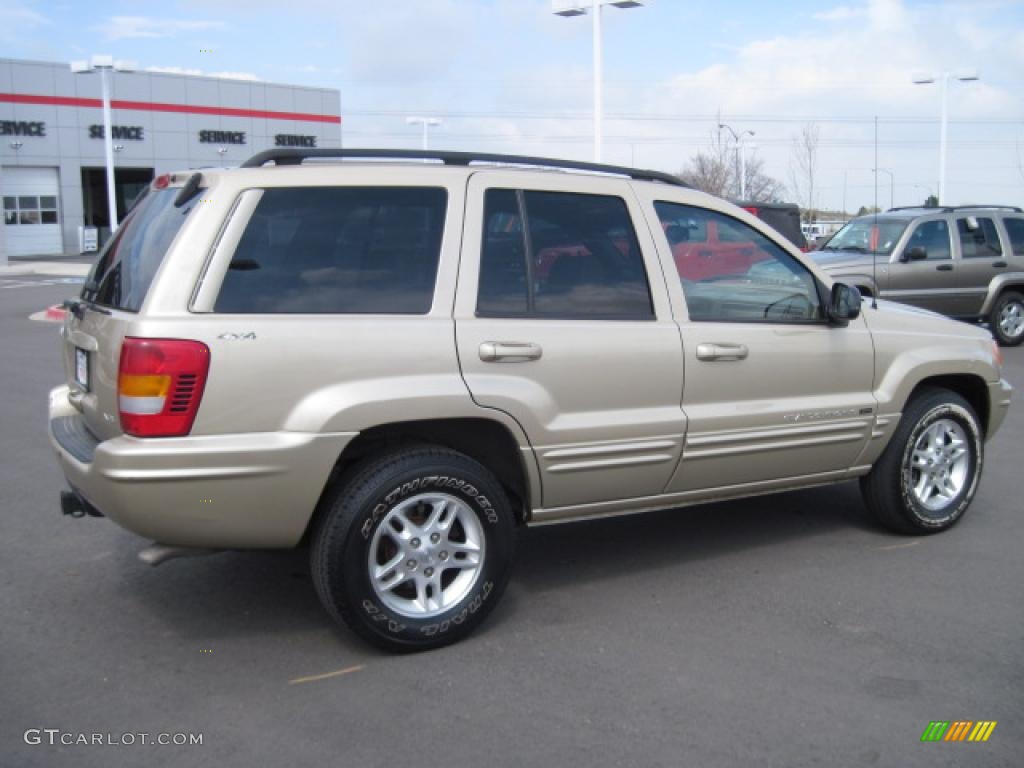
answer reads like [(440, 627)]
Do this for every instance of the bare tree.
[(711, 171), (714, 171), (762, 188), (804, 167)]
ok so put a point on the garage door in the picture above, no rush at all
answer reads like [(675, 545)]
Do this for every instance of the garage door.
[(31, 211)]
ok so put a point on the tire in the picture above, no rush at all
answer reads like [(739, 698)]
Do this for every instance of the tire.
[(1007, 319), (904, 498), (415, 550)]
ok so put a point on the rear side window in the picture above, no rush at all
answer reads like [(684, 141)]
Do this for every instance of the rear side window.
[(979, 240), (338, 250), (1015, 229), (561, 255), (126, 266)]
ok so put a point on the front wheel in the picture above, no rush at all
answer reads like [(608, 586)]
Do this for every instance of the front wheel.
[(415, 550), (1007, 319), (928, 474)]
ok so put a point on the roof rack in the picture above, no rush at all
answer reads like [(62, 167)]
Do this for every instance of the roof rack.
[(295, 156), (951, 208)]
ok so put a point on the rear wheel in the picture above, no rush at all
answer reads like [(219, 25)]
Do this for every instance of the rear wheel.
[(415, 550), (1007, 319), (928, 474)]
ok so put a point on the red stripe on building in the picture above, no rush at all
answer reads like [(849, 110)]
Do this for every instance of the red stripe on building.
[(155, 106)]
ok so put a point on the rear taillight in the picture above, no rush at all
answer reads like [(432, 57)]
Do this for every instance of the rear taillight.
[(159, 385)]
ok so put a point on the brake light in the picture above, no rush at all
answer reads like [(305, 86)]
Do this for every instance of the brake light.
[(751, 210), (162, 181), (160, 383)]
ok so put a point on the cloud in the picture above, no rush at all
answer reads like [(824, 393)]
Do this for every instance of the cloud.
[(133, 27), (15, 19), (840, 13)]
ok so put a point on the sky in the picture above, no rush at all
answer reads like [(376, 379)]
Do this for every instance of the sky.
[(510, 76)]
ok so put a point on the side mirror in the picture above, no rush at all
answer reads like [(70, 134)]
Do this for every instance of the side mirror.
[(844, 304), (914, 253)]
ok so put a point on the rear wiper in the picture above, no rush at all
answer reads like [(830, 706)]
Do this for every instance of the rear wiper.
[(857, 248), (190, 190)]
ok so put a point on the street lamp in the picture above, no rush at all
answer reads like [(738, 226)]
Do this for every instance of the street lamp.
[(741, 153), (579, 8), (892, 183), (105, 65), (426, 122), (943, 79)]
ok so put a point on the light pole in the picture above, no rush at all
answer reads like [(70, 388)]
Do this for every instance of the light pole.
[(892, 183), (943, 79), (426, 122), (579, 8), (741, 153), (106, 65)]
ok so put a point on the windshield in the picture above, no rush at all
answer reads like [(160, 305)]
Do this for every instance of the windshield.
[(868, 235)]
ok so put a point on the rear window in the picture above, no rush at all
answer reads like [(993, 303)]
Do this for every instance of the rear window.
[(125, 268), (338, 250)]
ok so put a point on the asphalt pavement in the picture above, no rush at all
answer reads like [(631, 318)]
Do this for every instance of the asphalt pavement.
[(784, 630)]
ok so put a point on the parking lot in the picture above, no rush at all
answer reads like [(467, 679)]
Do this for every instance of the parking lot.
[(783, 630)]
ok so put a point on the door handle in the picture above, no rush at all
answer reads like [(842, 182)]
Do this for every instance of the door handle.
[(509, 351), (722, 352), (999, 264), (945, 267)]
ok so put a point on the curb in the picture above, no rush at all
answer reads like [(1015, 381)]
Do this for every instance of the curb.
[(54, 314)]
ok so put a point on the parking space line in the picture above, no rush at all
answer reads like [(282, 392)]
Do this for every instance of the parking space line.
[(913, 543), (325, 675)]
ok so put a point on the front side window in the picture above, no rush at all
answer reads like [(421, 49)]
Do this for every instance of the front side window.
[(560, 255), (978, 238), (1015, 229), (738, 275), (933, 237), (337, 250)]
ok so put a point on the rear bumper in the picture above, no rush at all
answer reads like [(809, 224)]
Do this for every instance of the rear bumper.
[(999, 395), (219, 491)]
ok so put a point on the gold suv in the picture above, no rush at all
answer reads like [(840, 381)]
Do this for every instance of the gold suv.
[(401, 362)]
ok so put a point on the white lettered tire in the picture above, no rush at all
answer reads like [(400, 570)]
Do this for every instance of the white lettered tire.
[(415, 550), (928, 474)]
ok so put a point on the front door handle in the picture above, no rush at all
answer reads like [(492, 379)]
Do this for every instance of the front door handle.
[(722, 352), (509, 351), (945, 267), (999, 264)]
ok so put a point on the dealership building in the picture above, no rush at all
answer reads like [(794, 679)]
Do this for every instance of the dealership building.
[(52, 166)]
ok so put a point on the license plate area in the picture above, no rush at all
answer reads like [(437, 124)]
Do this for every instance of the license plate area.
[(82, 369)]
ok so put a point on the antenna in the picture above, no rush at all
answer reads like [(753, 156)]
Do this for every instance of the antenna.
[(874, 250)]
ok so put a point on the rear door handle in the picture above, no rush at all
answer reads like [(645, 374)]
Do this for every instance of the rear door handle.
[(509, 351), (945, 267), (722, 352), (999, 264)]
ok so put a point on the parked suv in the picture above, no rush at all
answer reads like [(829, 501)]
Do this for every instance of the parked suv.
[(400, 363), (965, 262), (783, 217)]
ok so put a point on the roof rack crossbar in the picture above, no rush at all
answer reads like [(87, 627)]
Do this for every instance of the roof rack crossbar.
[(951, 208), (295, 156)]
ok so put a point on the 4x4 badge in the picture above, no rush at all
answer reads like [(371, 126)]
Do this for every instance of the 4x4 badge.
[(237, 336)]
